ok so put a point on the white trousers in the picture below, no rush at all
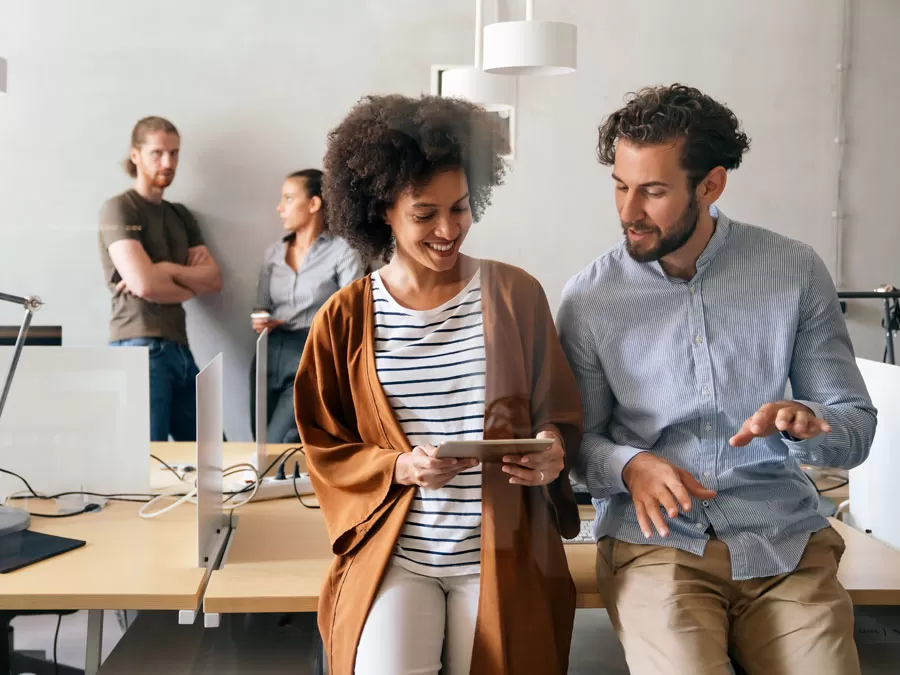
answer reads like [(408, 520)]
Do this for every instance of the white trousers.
[(418, 624)]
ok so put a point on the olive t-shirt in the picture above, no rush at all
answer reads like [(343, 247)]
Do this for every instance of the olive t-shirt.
[(166, 231)]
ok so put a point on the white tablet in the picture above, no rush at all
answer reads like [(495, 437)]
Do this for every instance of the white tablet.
[(492, 450)]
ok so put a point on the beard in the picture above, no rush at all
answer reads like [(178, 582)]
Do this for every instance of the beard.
[(162, 179), (682, 231), (158, 178)]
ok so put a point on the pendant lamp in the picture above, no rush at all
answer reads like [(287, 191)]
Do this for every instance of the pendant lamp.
[(496, 93), (530, 47)]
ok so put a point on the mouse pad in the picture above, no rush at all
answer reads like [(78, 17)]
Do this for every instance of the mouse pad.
[(24, 548)]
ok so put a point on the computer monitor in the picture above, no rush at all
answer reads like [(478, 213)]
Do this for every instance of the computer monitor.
[(37, 336)]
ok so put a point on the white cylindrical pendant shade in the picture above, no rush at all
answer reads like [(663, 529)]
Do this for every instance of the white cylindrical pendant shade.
[(493, 92), (530, 48)]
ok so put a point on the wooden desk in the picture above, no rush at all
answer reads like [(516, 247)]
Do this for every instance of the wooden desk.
[(279, 555), (127, 563), (870, 570), (276, 561)]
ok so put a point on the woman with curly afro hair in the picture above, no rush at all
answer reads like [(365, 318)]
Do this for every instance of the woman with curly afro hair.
[(442, 564)]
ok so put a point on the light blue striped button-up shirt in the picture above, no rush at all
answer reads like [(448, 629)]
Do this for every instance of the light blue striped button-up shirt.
[(675, 368), (295, 296)]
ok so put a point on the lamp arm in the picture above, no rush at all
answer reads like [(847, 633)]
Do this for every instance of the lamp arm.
[(31, 305)]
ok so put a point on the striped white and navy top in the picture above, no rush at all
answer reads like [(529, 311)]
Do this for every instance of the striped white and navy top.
[(431, 365), (675, 367)]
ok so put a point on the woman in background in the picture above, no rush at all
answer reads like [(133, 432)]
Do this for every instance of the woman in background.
[(442, 565), (299, 273)]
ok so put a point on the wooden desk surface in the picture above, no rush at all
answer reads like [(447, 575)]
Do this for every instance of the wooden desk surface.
[(276, 562), (128, 562), (870, 570), (280, 554)]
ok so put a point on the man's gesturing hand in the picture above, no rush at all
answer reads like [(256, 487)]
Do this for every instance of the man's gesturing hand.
[(789, 416)]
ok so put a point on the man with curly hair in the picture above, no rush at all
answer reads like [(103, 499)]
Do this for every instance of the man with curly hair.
[(683, 341), (442, 565)]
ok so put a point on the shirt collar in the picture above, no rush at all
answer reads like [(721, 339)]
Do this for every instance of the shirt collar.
[(717, 241), (324, 236)]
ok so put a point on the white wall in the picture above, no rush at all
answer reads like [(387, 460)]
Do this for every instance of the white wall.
[(872, 236), (254, 88)]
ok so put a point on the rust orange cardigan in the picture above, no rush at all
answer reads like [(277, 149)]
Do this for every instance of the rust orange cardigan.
[(352, 441)]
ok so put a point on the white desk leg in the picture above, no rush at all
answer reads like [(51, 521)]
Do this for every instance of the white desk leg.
[(187, 617), (94, 653)]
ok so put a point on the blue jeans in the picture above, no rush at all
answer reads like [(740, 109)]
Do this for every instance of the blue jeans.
[(173, 388)]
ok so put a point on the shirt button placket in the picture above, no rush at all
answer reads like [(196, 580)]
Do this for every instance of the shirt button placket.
[(708, 442)]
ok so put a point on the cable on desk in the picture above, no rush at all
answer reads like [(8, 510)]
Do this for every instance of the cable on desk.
[(254, 486), (188, 496), (27, 484), (299, 498), (123, 497), (283, 457), (30, 493), (136, 498), (148, 499), (191, 494), (87, 509), (843, 482), (167, 466)]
